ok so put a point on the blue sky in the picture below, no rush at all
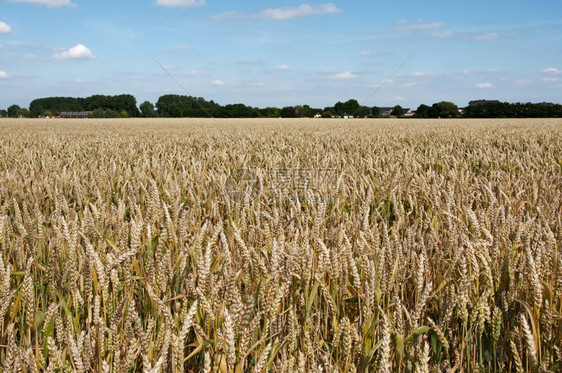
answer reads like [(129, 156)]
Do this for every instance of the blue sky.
[(279, 53)]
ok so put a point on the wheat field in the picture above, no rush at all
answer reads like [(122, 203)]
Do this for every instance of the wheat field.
[(280, 245)]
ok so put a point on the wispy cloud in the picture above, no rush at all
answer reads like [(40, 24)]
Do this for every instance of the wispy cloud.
[(190, 73), (30, 57), (551, 70), (550, 79), (422, 74), (180, 3), (368, 53), (78, 52), (523, 81), (284, 13), (466, 35), (443, 35), (344, 76), (179, 48), (5, 28), (49, 3), (484, 85), (483, 36), (283, 67), (404, 25), (3, 74), (217, 82)]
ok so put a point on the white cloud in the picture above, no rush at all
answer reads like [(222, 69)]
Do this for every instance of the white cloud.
[(484, 85), (405, 26), (550, 80), (551, 70), (443, 35), (78, 52), (30, 57), (487, 36), (230, 15), (424, 74), (283, 67), (408, 85), (345, 75), (399, 98), (5, 28), (179, 48), (180, 3), (49, 3), (367, 53), (190, 73), (300, 11), (3, 74), (217, 82), (284, 13)]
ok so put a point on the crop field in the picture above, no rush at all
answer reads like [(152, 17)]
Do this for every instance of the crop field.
[(280, 245)]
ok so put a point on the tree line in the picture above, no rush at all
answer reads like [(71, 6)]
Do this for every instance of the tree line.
[(180, 106)]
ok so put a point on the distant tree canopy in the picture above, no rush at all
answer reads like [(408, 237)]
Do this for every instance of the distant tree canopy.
[(57, 105), (398, 111), (515, 110), (443, 109), (173, 105)]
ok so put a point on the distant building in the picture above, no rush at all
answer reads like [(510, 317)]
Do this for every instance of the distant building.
[(409, 113), (482, 102), (75, 114), (386, 111)]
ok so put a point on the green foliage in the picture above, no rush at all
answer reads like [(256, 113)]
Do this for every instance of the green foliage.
[(97, 113), (398, 111), (23, 113), (147, 110), (288, 112), (515, 110), (13, 111), (363, 112), (375, 112), (112, 114)]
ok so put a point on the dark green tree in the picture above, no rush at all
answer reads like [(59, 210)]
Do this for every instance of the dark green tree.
[(363, 112), (3, 113), (97, 113), (422, 111), (398, 111), (375, 112), (13, 111), (147, 110), (448, 110), (288, 112), (339, 109), (350, 107), (23, 113), (109, 113)]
